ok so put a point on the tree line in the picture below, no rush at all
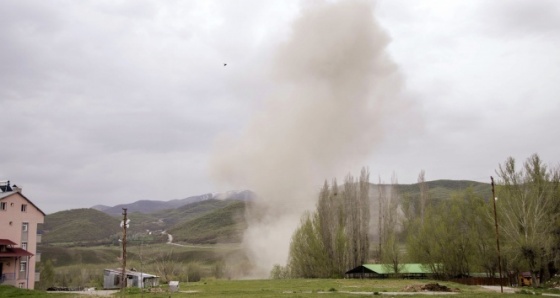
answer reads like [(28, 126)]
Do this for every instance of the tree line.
[(455, 237)]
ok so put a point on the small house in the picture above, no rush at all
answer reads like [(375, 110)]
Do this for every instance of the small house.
[(136, 279)]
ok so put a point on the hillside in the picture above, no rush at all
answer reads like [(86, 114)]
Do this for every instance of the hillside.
[(91, 226), (165, 219), (149, 206), (79, 225), (152, 206), (443, 189), (223, 225)]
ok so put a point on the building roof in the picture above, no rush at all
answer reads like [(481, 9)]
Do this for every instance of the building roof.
[(383, 269), (15, 252), (7, 242), (132, 273), (4, 195)]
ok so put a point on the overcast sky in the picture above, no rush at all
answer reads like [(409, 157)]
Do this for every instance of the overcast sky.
[(108, 102)]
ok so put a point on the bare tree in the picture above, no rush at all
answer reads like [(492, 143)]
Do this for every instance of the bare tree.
[(166, 265)]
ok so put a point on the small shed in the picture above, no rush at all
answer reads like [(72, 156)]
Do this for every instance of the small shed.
[(525, 279), (386, 270), (112, 279)]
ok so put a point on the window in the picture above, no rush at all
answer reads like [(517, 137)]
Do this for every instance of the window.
[(23, 207), (24, 226), (22, 265), (3, 205), (24, 245)]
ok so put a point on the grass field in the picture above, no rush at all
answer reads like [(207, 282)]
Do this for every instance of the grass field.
[(83, 266), (278, 288)]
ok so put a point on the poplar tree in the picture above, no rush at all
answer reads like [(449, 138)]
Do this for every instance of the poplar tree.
[(334, 238), (390, 252)]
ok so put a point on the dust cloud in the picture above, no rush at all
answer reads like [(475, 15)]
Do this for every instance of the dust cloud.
[(334, 85)]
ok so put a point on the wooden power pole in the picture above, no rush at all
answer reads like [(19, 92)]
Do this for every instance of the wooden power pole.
[(123, 274), (494, 198)]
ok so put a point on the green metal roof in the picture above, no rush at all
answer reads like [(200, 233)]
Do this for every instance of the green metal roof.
[(388, 269)]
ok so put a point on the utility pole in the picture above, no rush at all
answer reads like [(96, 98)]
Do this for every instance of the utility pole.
[(123, 274), (141, 272), (494, 198)]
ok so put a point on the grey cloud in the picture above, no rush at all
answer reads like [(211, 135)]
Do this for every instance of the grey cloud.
[(130, 93), (522, 18), (112, 94)]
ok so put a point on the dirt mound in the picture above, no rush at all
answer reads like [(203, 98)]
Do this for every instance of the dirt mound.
[(431, 287)]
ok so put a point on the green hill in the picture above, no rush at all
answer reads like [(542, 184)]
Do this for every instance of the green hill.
[(187, 212), (221, 225), (444, 189), (439, 190), (90, 226), (79, 225)]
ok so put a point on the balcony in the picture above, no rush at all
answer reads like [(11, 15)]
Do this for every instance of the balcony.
[(8, 279)]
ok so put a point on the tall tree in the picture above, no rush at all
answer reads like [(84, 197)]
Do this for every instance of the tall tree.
[(364, 215), (390, 228), (308, 258), (334, 238), (47, 275), (447, 241), (423, 193), (528, 210)]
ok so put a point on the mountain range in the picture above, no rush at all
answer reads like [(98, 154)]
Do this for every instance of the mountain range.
[(150, 206)]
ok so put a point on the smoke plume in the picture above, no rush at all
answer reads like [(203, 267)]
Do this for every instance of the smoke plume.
[(334, 84)]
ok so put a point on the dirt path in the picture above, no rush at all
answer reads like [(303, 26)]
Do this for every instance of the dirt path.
[(497, 289), (401, 293), (98, 293)]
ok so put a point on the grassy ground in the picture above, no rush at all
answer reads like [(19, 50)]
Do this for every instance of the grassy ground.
[(308, 287), (9, 291), (277, 288)]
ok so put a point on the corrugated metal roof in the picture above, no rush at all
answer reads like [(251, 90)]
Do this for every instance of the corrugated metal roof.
[(132, 273), (382, 269)]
